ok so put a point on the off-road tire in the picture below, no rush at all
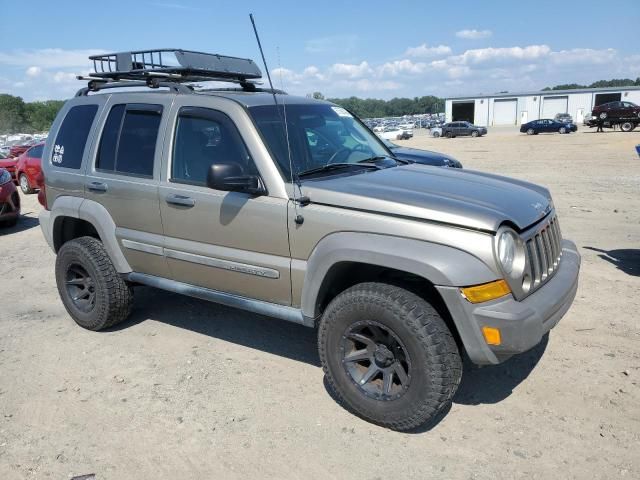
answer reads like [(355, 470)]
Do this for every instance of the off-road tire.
[(474, 134), (627, 126), (436, 366), (23, 181), (113, 296)]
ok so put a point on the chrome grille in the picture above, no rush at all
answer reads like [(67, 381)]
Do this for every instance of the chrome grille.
[(544, 250)]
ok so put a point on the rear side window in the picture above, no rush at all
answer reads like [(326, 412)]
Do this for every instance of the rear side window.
[(128, 143), (71, 140), (36, 152)]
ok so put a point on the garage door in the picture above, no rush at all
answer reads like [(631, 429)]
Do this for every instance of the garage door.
[(504, 112), (553, 105)]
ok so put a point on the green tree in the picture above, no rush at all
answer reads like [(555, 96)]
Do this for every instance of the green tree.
[(12, 114), (40, 115), (318, 95)]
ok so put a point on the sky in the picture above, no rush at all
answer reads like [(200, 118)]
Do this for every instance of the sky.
[(368, 49)]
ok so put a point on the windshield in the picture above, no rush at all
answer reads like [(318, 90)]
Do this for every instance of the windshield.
[(388, 143), (319, 135)]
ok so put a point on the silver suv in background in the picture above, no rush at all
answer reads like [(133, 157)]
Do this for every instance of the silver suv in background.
[(290, 207)]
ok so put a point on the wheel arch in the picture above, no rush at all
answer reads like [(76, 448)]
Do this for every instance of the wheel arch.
[(72, 217), (343, 259)]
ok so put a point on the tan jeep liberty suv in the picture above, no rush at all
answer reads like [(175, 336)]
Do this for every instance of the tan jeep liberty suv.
[(290, 207)]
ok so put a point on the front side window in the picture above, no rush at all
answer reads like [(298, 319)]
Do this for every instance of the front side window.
[(205, 137), (68, 148), (128, 143), (319, 135)]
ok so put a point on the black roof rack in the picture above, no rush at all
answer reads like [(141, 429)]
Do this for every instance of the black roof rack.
[(176, 64), (165, 66)]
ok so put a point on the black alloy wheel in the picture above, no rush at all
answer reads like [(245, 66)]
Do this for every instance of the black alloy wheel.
[(81, 288), (376, 360)]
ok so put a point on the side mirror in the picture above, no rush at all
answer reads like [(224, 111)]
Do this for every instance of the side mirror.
[(229, 177)]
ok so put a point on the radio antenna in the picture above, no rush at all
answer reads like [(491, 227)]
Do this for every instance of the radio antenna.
[(299, 219)]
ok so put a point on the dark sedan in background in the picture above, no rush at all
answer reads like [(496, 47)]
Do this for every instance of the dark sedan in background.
[(424, 157), (546, 125), (461, 129)]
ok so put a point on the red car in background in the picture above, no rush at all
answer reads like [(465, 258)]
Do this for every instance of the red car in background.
[(9, 164), (9, 200), (28, 168), (18, 150), (616, 110)]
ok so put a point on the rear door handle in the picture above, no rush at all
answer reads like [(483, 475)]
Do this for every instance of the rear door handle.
[(97, 187), (181, 200)]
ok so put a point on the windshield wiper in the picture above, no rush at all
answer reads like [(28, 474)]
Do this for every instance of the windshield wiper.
[(338, 166), (384, 157)]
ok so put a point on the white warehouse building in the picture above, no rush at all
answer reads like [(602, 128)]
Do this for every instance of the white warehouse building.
[(519, 108)]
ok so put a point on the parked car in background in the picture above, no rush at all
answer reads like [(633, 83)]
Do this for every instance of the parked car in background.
[(546, 125), (394, 133), (461, 129), (9, 164), (563, 117), (28, 169), (423, 157), (18, 149), (435, 132), (9, 200), (407, 129), (616, 110)]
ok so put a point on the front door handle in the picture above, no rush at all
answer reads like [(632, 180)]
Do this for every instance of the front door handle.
[(97, 187), (181, 200)]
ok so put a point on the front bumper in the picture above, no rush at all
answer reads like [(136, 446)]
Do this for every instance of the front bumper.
[(522, 324)]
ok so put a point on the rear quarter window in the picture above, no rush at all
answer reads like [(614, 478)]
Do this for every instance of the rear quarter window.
[(68, 148)]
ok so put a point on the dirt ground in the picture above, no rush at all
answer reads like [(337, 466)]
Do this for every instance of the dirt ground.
[(187, 389)]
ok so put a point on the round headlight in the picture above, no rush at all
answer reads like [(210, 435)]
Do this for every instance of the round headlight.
[(507, 250)]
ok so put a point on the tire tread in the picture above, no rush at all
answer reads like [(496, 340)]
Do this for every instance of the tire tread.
[(441, 352)]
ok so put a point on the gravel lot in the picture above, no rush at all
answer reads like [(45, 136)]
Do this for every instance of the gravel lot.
[(187, 389)]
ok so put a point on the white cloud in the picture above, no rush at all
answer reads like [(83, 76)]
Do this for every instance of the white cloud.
[(351, 70), (485, 70), (473, 34), (33, 71), (421, 70), (62, 77), (484, 55), (424, 51), (578, 56), (399, 67)]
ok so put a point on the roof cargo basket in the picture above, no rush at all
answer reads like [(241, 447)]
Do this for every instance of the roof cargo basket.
[(174, 64)]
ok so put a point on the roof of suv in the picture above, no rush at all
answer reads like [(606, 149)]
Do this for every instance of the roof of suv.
[(254, 99), (247, 99)]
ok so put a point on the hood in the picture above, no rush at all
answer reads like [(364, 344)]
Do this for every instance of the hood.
[(425, 157), (460, 197)]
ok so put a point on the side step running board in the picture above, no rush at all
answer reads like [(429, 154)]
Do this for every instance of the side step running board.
[(282, 312)]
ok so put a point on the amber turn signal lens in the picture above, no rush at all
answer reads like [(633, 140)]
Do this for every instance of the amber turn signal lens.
[(486, 291), (491, 335)]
